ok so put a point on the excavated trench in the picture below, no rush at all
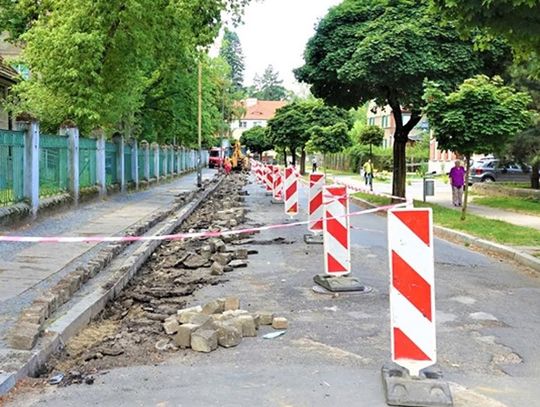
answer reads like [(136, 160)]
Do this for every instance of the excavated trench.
[(130, 329)]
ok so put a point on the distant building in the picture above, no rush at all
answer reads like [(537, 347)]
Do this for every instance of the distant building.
[(257, 113)]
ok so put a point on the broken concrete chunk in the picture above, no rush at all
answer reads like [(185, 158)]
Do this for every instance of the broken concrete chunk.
[(266, 317), (194, 261), (206, 251), (232, 304), (182, 339), (235, 264), (222, 258), (217, 269), (213, 307), (280, 323), (228, 336), (171, 326), (248, 325), (241, 254), (204, 340)]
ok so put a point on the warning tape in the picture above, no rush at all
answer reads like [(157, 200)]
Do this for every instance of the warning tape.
[(178, 236)]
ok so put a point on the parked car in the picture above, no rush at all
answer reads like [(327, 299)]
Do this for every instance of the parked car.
[(491, 170)]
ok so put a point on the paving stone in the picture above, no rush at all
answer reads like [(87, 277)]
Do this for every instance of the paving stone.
[(228, 336), (236, 264), (266, 317), (206, 251), (217, 269), (23, 336), (204, 340), (195, 309), (182, 339), (241, 254), (213, 307), (171, 326), (222, 258), (248, 325), (232, 304), (186, 317), (235, 313), (280, 323)]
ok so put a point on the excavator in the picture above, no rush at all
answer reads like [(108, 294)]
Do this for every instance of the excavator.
[(239, 160)]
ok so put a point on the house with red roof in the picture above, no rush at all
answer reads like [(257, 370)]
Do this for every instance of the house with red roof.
[(257, 113)]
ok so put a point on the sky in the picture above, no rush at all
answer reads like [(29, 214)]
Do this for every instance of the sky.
[(276, 32)]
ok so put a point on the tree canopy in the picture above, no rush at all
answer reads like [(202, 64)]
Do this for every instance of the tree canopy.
[(268, 86), (231, 51), (371, 135), (256, 140), (383, 50), (480, 117)]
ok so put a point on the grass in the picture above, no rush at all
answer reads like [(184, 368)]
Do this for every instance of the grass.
[(488, 229), (514, 204)]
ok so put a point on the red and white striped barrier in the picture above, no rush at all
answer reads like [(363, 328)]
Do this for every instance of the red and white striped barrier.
[(278, 184), (291, 192), (316, 184), (269, 178), (336, 232), (412, 292)]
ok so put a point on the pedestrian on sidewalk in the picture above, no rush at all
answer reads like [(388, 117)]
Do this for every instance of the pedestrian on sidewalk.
[(457, 181), (368, 172), (314, 165)]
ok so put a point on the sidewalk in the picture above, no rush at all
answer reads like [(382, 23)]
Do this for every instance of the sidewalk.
[(443, 197), (26, 270)]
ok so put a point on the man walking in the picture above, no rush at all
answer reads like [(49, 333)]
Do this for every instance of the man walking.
[(457, 181), (368, 172)]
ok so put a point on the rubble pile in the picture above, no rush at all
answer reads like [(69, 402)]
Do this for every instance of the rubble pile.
[(217, 323)]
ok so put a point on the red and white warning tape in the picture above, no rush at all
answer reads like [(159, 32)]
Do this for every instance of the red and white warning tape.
[(178, 236)]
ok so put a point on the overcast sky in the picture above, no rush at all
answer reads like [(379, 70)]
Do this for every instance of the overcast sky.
[(276, 32)]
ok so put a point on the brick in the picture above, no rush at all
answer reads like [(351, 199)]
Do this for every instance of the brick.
[(280, 323), (23, 336), (182, 339), (228, 336), (213, 307), (266, 318), (204, 340), (171, 326), (232, 304), (248, 325)]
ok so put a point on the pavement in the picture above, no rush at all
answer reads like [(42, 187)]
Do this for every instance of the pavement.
[(332, 354), (27, 270), (443, 197)]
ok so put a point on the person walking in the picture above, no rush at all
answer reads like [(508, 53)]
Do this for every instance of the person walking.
[(368, 172), (314, 165), (457, 181)]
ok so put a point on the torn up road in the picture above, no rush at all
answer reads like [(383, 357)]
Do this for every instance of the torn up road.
[(334, 345)]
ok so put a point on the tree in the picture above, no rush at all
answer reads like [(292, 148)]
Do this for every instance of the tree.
[(480, 117), (292, 125), (383, 50), (231, 51), (268, 86), (371, 136), (257, 140), (329, 139)]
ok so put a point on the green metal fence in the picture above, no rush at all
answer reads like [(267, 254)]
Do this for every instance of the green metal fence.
[(53, 165), (152, 164), (162, 162), (128, 173), (110, 163), (87, 162), (11, 167), (140, 162)]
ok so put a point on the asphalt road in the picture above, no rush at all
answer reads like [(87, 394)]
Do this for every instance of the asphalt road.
[(488, 324)]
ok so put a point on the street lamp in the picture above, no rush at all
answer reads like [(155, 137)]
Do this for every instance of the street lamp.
[(199, 166)]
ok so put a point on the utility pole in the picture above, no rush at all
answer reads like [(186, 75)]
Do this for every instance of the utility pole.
[(199, 166)]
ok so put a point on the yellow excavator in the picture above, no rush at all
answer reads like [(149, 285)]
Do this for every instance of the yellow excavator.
[(239, 161)]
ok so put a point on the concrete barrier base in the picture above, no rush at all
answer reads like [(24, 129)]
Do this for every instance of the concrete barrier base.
[(340, 284), (313, 239)]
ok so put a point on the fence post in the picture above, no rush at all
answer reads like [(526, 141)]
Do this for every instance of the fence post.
[(146, 150), (31, 162), (178, 162), (171, 160), (155, 148), (72, 132), (120, 164), (135, 162), (101, 175), (165, 161)]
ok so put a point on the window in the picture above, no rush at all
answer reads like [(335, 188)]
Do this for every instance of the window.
[(371, 121), (384, 124)]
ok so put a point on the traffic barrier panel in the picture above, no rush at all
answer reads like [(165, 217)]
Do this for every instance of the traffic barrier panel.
[(269, 178), (412, 293), (316, 184), (291, 192), (278, 185), (336, 231)]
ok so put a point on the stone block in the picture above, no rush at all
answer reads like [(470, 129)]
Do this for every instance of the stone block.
[(235, 313), (206, 251), (217, 269), (222, 258), (232, 304), (280, 323), (228, 336), (182, 339), (213, 307), (23, 336), (266, 317), (241, 254), (248, 325), (171, 326), (196, 309), (204, 340), (236, 264)]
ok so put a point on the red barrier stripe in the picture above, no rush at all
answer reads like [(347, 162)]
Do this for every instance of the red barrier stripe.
[(316, 202), (334, 266), (418, 224), (293, 209), (404, 348), (409, 283), (337, 230), (291, 190)]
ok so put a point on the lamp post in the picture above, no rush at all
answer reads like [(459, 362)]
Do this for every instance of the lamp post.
[(199, 166)]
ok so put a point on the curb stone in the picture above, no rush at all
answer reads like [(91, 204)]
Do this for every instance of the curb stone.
[(86, 308), (505, 251)]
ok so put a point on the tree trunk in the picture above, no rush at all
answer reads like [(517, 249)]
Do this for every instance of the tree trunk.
[(535, 181), (303, 161), (466, 186), (293, 153), (285, 156)]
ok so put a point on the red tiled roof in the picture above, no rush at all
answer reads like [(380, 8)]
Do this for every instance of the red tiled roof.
[(263, 109)]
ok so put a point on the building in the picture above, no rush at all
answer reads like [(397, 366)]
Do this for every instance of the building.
[(8, 77), (257, 113)]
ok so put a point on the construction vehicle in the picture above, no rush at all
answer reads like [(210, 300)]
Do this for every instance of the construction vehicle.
[(239, 160)]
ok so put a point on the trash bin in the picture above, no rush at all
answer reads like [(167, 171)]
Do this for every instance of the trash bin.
[(429, 187)]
